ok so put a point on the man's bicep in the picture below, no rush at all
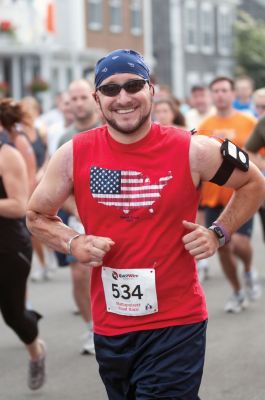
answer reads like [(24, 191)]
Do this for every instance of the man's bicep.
[(205, 157), (56, 184)]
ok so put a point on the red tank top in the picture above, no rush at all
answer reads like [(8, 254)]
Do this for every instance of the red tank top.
[(138, 195)]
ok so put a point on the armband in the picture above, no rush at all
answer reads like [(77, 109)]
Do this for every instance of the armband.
[(233, 157)]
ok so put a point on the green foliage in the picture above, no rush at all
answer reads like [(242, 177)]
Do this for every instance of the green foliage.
[(3, 87), (250, 48), (38, 85)]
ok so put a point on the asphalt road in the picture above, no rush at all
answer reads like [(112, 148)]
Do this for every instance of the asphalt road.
[(235, 358)]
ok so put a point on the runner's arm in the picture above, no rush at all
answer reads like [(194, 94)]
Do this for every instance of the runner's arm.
[(249, 187), (42, 220), (249, 193), (53, 189)]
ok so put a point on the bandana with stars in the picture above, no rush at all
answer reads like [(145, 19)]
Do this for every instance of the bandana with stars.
[(120, 62)]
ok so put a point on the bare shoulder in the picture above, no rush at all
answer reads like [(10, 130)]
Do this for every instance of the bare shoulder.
[(205, 156), (11, 162), (10, 155), (22, 142)]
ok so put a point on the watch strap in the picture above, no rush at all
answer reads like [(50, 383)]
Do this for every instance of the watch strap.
[(224, 230), (221, 233), (218, 234)]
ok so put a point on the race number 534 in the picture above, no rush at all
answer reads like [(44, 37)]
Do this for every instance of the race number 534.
[(130, 292), (126, 292)]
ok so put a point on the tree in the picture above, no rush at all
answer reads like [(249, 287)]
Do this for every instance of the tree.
[(249, 48)]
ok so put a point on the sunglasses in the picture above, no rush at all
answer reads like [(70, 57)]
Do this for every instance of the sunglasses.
[(132, 86)]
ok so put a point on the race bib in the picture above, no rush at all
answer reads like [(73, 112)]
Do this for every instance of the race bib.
[(130, 292)]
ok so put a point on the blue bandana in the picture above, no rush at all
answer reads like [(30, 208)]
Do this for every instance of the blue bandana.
[(120, 62)]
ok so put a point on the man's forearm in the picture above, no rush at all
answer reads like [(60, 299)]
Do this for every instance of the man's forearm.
[(50, 229), (243, 205)]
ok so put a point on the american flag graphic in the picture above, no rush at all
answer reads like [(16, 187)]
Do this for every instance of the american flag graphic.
[(127, 190)]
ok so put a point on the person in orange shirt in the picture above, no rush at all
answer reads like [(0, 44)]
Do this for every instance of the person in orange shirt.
[(230, 124)]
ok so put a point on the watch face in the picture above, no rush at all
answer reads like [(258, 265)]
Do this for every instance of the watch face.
[(218, 232)]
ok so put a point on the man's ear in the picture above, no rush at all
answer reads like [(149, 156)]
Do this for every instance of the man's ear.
[(94, 94), (152, 89)]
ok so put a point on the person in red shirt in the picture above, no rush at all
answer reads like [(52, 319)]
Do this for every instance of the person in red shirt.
[(136, 186)]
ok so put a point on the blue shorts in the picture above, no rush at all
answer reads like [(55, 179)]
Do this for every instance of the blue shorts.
[(212, 213), (61, 257), (160, 364)]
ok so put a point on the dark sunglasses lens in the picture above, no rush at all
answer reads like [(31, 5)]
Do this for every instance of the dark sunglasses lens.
[(114, 89), (134, 86), (110, 90)]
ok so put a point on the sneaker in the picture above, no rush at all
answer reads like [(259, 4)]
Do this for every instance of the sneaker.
[(48, 274), (89, 347), (37, 373), (203, 270), (37, 275), (253, 287), (37, 271), (236, 303)]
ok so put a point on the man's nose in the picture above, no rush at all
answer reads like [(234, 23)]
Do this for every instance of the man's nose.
[(123, 95)]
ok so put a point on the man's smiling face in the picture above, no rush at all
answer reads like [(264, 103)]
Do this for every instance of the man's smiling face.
[(126, 113)]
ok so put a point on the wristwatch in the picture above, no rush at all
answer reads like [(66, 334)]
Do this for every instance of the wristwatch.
[(220, 232)]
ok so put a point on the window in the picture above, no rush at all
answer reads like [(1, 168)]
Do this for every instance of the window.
[(95, 14), (69, 75), (193, 78), (136, 17), (115, 12), (207, 77), (224, 30), (191, 25), (55, 80), (207, 28)]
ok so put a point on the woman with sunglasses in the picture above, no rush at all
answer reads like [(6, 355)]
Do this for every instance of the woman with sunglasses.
[(15, 247), (136, 187)]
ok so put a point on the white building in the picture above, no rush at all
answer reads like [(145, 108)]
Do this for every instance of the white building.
[(49, 42), (193, 41), (60, 40)]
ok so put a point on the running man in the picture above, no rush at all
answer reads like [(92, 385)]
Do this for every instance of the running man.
[(136, 186)]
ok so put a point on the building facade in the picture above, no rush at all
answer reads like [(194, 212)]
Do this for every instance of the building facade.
[(60, 40), (185, 42), (195, 37), (255, 8)]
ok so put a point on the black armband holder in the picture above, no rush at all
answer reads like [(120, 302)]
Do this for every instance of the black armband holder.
[(233, 157)]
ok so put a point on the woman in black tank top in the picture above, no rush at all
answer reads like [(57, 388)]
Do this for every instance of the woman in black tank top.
[(16, 250)]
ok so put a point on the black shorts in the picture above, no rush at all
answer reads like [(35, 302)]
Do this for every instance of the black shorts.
[(163, 363)]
